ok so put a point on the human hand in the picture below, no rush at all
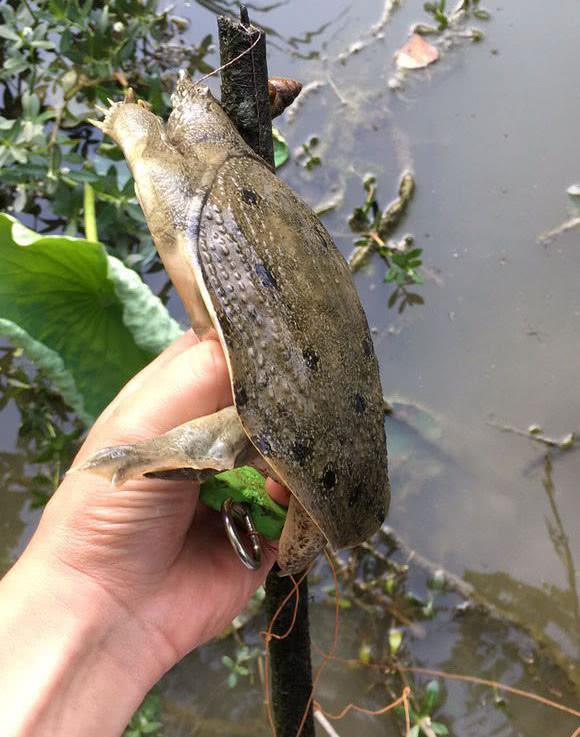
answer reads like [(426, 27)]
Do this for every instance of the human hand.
[(146, 560), (150, 544)]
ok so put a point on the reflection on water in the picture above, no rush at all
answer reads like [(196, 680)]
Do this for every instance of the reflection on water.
[(562, 547), (491, 134)]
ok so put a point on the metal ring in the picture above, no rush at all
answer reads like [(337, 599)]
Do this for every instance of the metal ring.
[(237, 511)]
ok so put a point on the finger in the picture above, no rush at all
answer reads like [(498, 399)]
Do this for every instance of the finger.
[(278, 492), (179, 345), (193, 383)]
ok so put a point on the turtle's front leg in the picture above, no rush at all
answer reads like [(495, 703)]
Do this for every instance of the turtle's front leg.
[(206, 445)]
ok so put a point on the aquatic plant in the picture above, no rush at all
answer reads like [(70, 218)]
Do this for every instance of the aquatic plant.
[(60, 59)]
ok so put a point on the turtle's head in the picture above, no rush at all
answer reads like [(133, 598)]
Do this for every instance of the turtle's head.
[(197, 117)]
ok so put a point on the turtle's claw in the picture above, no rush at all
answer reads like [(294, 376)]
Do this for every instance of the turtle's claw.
[(106, 125), (117, 464)]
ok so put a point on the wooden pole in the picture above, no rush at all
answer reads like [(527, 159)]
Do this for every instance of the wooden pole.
[(244, 84), (244, 96)]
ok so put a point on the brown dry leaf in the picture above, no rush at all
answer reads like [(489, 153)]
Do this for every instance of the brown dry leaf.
[(416, 53)]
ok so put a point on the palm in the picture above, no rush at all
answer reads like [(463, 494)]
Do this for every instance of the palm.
[(158, 552)]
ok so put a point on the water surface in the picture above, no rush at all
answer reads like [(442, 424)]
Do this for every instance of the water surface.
[(491, 133)]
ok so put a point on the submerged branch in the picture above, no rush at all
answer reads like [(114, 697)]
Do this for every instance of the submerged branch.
[(560, 539)]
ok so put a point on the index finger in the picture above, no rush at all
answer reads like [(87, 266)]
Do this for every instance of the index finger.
[(194, 382)]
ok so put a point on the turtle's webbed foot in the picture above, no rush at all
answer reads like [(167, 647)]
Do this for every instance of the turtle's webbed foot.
[(204, 445), (107, 125), (120, 463)]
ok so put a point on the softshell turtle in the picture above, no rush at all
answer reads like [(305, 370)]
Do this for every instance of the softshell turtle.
[(254, 266)]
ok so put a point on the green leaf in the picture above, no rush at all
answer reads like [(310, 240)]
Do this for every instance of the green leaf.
[(80, 176), (281, 152), (432, 693), (80, 314), (439, 728), (391, 274), (359, 220), (395, 640), (47, 360), (246, 485), (9, 33), (414, 731), (151, 727)]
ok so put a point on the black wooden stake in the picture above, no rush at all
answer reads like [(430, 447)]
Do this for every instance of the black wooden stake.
[(244, 84), (244, 91)]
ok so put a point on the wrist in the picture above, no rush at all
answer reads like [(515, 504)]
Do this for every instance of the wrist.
[(71, 658)]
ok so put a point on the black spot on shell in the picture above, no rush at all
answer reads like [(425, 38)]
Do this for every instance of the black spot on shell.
[(311, 358), (380, 515), (301, 451), (249, 197), (262, 444), (241, 396), (266, 276), (354, 496), (329, 479), (359, 404), (368, 347)]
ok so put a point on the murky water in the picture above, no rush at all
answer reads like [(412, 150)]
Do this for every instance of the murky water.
[(491, 132)]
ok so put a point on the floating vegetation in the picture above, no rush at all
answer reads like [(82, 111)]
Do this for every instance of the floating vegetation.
[(375, 226), (306, 155), (449, 19), (536, 433)]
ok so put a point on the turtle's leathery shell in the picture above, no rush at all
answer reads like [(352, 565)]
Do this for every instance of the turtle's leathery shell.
[(305, 376)]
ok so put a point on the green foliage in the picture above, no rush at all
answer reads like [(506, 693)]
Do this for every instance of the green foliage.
[(146, 721), (404, 265), (49, 431), (60, 59), (374, 225), (309, 159), (446, 19), (421, 713), (437, 10), (241, 666), (79, 314), (281, 152)]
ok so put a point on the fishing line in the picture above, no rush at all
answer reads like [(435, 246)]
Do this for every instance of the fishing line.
[(232, 61)]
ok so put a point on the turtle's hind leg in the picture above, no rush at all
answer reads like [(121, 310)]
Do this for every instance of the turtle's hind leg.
[(198, 449)]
